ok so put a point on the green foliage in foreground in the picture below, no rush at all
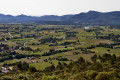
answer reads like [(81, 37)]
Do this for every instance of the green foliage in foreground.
[(105, 67)]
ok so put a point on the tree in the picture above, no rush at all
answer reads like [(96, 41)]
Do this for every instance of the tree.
[(94, 58), (32, 69)]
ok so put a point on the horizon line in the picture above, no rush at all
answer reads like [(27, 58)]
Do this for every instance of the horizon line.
[(56, 14)]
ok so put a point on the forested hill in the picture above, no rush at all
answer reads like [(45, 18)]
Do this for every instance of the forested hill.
[(91, 17), (97, 17), (31, 19)]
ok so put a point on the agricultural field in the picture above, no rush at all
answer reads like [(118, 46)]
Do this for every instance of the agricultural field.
[(44, 45)]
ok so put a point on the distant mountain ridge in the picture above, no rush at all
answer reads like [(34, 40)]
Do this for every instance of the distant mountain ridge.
[(28, 19), (91, 17), (95, 17)]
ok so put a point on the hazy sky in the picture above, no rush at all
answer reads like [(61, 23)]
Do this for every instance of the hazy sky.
[(56, 7)]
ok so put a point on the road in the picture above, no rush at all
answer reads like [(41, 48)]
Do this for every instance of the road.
[(10, 35)]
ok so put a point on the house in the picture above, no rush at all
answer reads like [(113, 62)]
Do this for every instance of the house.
[(87, 27), (4, 69)]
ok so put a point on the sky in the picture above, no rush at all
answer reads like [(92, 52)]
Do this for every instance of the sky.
[(56, 7)]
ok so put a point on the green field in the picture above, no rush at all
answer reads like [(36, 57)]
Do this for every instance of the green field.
[(49, 42)]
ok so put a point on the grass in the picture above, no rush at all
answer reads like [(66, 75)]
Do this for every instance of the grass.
[(102, 50), (21, 40), (14, 61), (10, 43), (42, 47), (65, 48), (39, 53), (55, 62), (41, 65)]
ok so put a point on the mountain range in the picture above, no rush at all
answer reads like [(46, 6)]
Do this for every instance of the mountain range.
[(91, 17)]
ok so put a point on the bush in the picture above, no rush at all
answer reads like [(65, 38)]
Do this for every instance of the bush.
[(49, 77), (107, 76), (32, 69)]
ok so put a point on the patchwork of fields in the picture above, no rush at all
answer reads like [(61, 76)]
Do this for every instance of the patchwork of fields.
[(45, 45)]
